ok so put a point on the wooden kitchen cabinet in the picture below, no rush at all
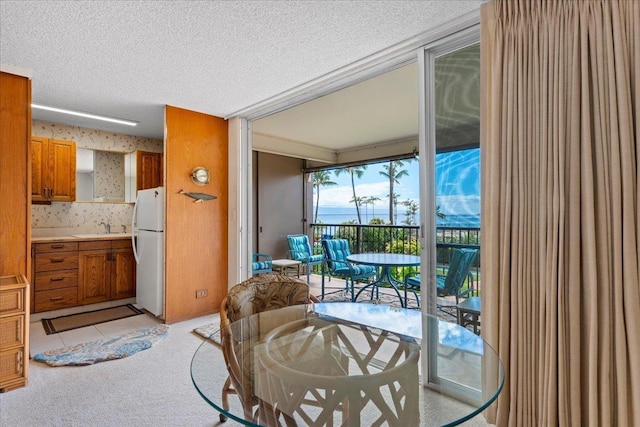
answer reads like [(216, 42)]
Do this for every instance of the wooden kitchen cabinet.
[(72, 273), (14, 332), (143, 169), (53, 170), (149, 170), (106, 272), (94, 272), (55, 275)]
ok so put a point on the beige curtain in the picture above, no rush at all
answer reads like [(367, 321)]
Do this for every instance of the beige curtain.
[(560, 146)]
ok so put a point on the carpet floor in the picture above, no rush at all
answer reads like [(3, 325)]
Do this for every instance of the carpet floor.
[(152, 389)]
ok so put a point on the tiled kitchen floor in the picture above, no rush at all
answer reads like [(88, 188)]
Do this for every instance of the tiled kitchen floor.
[(39, 341)]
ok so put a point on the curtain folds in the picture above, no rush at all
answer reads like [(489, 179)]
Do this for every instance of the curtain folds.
[(560, 140)]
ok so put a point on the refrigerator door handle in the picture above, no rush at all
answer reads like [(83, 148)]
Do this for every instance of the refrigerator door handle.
[(133, 232)]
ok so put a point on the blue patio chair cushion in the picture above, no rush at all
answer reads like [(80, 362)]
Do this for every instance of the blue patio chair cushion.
[(316, 258), (413, 282), (459, 267), (357, 270), (299, 247), (262, 265), (336, 250)]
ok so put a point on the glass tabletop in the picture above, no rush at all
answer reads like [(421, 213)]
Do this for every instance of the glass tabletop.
[(384, 259), (347, 364)]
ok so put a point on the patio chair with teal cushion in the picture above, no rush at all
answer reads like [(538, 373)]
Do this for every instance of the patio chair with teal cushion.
[(300, 250), (450, 284), (261, 263), (337, 251)]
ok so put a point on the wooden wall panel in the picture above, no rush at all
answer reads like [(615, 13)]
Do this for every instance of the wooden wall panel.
[(196, 234), (15, 175)]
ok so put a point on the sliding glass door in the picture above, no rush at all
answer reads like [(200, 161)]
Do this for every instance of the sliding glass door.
[(450, 190)]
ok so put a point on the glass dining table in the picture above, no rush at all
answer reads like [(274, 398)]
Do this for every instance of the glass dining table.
[(346, 363)]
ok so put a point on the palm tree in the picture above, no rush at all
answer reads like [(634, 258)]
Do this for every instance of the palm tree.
[(393, 172), (357, 171), (371, 200), (320, 179), (410, 213)]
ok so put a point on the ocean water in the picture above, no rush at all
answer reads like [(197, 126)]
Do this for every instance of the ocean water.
[(339, 215)]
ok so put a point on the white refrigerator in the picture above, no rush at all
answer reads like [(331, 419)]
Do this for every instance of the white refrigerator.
[(147, 234)]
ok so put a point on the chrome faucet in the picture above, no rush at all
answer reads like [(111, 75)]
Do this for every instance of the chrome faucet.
[(124, 228), (107, 227)]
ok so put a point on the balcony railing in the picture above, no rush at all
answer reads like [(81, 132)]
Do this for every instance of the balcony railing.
[(401, 239)]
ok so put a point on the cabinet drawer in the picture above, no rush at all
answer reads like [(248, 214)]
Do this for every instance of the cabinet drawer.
[(56, 247), (56, 299), (11, 364), (96, 244), (57, 261), (48, 280), (11, 301), (121, 244), (11, 332)]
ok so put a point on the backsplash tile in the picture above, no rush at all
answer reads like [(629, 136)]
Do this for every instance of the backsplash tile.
[(77, 218)]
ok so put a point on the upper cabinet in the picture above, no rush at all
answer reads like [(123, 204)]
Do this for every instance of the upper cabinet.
[(142, 170), (53, 170)]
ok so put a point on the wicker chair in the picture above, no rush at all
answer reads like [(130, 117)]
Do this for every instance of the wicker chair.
[(255, 295)]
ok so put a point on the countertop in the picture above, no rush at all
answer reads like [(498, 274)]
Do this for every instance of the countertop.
[(81, 237)]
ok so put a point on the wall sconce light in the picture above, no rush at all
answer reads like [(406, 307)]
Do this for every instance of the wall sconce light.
[(200, 176)]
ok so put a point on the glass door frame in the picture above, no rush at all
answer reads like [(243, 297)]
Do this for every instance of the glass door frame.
[(427, 149)]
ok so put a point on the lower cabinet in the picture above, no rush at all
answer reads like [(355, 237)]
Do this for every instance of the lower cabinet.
[(94, 272), (123, 270), (68, 274), (106, 271)]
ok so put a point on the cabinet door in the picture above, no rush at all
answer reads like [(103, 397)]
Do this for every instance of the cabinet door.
[(62, 164), (38, 166), (149, 170), (123, 278), (94, 276)]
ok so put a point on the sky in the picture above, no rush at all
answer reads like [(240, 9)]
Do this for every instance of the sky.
[(457, 184)]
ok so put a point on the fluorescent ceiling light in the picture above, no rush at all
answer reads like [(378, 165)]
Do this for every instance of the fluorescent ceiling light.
[(87, 115)]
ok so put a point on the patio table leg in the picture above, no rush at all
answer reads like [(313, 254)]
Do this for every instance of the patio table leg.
[(385, 278)]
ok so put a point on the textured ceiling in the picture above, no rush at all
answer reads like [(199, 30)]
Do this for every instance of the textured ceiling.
[(129, 58)]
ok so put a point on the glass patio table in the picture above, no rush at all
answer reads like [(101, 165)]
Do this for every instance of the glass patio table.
[(385, 262), (350, 364)]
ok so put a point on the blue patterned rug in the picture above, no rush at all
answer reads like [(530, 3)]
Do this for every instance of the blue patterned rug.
[(105, 349)]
